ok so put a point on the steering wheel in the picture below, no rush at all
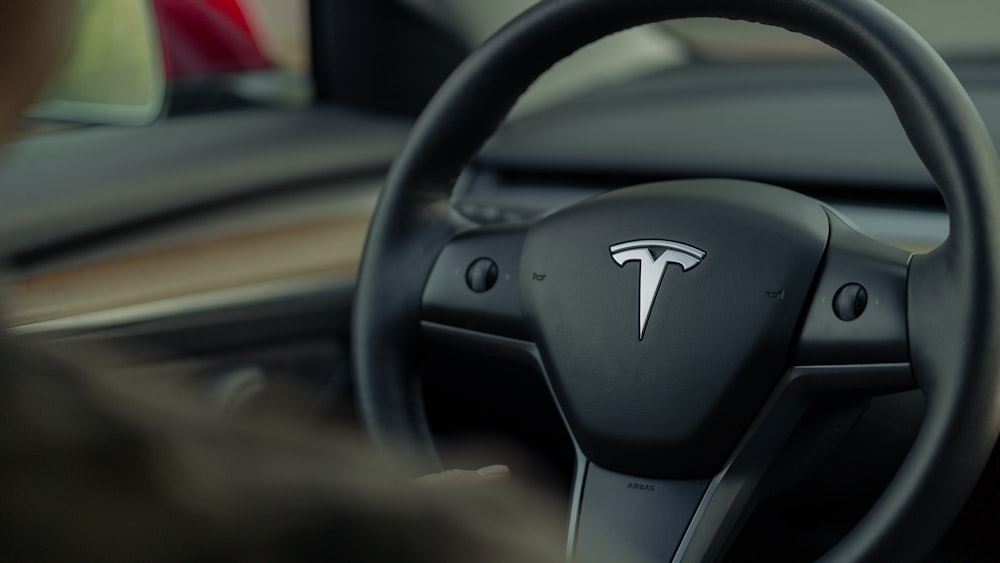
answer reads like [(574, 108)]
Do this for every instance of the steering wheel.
[(683, 327)]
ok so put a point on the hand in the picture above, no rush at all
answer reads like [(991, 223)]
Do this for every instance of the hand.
[(453, 477)]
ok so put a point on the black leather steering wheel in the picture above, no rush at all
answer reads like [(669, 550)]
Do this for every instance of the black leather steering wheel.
[(752, 300)]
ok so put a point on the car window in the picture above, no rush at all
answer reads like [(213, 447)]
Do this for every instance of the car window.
[(220, 54), (614, 59), (134, 62), (958, 28), (284, 32)]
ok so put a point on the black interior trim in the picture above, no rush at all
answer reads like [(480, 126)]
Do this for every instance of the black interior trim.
[(259, 322), (175, 168), (380, 55), (791, 123)]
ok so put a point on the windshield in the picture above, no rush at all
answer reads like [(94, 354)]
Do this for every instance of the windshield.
[(132, 65), (957, 28), (953, 27)]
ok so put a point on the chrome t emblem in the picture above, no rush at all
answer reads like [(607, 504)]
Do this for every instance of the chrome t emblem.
[(653, 257)]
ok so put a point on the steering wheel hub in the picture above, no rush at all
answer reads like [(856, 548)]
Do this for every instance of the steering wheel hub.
[(724, 267)]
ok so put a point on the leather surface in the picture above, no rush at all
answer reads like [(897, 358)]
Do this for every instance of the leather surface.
[(673, 403)]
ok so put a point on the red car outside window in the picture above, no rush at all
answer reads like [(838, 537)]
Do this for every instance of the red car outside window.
[(208, 37)]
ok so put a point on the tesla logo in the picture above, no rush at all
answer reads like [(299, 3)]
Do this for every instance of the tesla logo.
[(653, 257)]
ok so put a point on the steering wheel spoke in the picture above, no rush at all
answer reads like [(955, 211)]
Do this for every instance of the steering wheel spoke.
[(695, 520), (474, 284), (858, 313), (625, 513)]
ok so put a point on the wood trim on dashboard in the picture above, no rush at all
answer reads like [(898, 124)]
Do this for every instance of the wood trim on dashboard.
[(285, 252)]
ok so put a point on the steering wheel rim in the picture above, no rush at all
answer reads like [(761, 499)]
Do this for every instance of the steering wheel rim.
[(953, 315)]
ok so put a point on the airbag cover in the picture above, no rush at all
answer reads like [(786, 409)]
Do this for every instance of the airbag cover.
[(664, 314)]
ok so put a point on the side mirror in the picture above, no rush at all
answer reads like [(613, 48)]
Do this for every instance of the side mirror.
[(113, 72)]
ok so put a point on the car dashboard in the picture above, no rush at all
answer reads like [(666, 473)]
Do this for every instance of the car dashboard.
[(825, 130)]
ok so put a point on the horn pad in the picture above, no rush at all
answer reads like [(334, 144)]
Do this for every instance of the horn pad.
[(665, 314)]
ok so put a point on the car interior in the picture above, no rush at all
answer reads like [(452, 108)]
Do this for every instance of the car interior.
[(224, 239)]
